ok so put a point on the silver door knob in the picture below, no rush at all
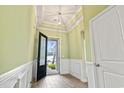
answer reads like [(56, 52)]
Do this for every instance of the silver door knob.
[(97, 65)]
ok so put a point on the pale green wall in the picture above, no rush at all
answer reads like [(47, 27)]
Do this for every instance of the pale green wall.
[(16, 36), (17, 33), (74, 38), (63, 39), (32, 35), (75, 45), (90, 11)]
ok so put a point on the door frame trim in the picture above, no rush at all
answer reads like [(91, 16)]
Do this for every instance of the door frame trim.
[(84, 60), (58, 49), (95, 76)]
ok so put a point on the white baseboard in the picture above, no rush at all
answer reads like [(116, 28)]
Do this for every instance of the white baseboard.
[(75, 67), (90, 70), (19, 77)]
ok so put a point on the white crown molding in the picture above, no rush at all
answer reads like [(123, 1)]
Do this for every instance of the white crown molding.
[(69, 26), (49, 23), (74, 15), (50, 29), (52, 26), (72, 26)]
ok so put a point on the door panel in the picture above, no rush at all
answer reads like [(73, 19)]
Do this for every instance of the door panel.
[(108, 36), (109, 48), (42, 51), (113, 80), (42, 56)]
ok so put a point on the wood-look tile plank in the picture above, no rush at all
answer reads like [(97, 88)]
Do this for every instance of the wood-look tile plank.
[(59, 81)]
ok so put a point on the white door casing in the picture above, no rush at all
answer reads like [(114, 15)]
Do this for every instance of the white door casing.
[(58, 50), (108, 46)]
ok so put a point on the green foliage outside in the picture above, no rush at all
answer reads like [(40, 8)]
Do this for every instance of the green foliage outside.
[(52, 66)]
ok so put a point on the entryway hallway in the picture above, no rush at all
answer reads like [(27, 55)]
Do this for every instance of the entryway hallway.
[(59, 81), (90, 46)]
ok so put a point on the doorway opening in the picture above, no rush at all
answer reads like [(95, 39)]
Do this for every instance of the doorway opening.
[(52, 57)]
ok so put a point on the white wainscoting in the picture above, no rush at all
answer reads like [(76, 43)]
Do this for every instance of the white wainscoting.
[(20, 77), (64, 66), (75, 68), (83, 72), (34, 76), (90, 70)]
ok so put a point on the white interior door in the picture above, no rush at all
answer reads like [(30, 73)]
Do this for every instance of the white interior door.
[(108, 46)]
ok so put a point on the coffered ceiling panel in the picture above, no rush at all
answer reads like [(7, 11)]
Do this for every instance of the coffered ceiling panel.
[(55, 14)]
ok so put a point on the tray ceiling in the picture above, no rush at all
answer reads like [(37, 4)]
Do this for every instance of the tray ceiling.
[(55, 14)]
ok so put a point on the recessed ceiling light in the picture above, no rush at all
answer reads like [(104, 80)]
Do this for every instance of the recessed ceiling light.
[(59, 13), (55, 19), (59, 23)]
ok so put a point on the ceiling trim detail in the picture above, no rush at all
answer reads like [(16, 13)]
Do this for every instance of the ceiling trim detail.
[(72, 26), (74, 16), (49, 26), (50, 29), (55, 13)]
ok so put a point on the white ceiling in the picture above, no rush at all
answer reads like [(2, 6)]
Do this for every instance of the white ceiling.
[(55, 13)]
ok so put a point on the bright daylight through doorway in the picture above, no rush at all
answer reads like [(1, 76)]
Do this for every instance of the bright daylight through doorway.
[(52, 62)]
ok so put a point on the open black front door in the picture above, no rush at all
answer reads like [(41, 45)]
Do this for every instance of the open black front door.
[(42, 56)]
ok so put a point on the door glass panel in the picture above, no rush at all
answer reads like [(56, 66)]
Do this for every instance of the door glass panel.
[(42, 51)]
